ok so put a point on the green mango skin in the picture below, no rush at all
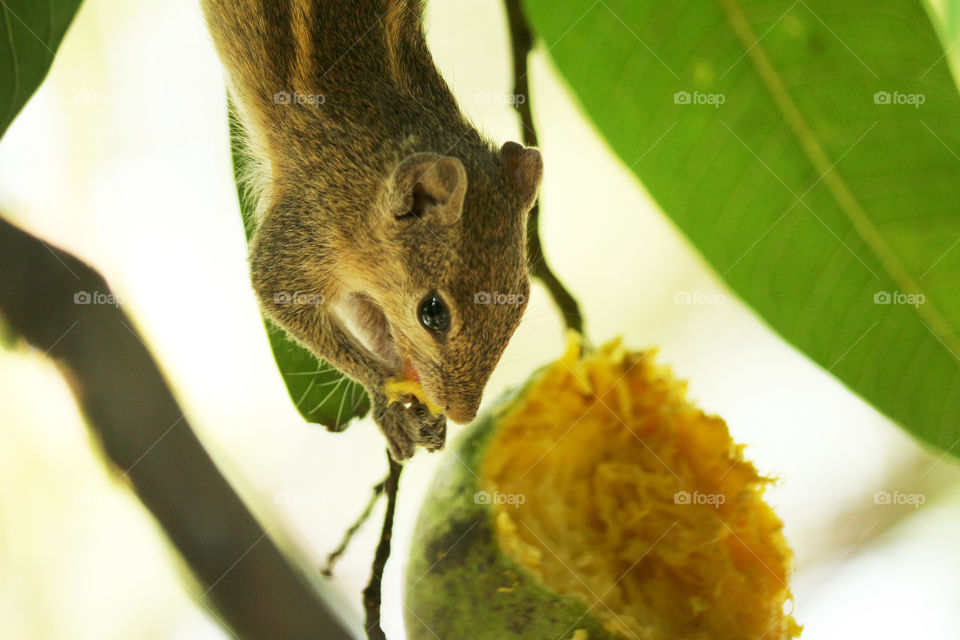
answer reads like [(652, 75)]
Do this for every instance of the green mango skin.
[(456, 567)]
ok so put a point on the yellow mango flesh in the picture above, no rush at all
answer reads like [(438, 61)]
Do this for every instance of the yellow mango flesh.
[(397, 388), (637, 503)]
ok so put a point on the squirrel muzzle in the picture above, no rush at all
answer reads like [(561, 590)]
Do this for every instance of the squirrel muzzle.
[(461, 407)]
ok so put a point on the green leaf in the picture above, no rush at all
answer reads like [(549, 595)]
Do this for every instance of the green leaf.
[(826, 205), (319, 391), (31, 33), (952, 22)]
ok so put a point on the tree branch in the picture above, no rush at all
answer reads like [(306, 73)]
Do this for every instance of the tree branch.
[(372, 593), (132, 411), (521, 38), (354, 528)]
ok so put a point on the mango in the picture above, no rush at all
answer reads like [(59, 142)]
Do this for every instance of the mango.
[(597, 503)]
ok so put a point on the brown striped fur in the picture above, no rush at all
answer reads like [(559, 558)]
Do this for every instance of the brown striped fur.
[(377, 134)]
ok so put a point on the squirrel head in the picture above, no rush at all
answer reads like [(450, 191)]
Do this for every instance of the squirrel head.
[(450, 270)]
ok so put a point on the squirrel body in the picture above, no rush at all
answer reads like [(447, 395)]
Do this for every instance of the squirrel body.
[(379, 198)]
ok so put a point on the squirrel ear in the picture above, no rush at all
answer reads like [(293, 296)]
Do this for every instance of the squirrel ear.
[(524, 169), (429, 185)]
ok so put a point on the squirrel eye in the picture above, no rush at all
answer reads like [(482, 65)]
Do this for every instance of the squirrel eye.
[(434, 315)]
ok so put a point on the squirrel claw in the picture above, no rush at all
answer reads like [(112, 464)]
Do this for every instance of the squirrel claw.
[(426, 428), (433, 434), (405, 427)]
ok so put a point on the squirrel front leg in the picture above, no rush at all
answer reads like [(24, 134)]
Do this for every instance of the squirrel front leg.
[(303, 312), (322, 334)]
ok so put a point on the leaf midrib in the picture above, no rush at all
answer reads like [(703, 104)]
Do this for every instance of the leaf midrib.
[(841, 193)]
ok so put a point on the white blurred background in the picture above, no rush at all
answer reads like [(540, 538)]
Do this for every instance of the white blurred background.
[(122, 158)]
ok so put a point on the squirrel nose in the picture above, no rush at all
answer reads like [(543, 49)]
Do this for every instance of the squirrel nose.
[(461, 414)]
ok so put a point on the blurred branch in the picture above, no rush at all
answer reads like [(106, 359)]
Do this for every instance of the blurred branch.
[(521, 38), (863, 520), (145, 434)]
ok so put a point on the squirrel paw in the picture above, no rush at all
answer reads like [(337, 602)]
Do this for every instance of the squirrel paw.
[(431, 429), (405, 427)]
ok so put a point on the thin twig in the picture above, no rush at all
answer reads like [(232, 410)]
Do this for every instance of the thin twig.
[(348, 535), (521, 38), (373, 591)]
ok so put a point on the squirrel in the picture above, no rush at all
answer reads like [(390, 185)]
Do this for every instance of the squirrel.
[(378, 197)]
